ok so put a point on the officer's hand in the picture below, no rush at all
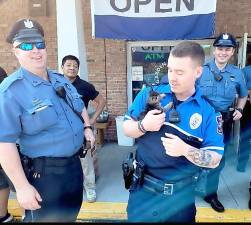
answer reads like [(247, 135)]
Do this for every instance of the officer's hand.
[(153, 120), (28, 197), (173, 145), (89, 136), (237, 115)]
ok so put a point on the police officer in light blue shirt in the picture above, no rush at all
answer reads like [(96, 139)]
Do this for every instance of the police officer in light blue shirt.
[(44, 112), (245, 132), (245, 125), (173, 141), (221, 83)]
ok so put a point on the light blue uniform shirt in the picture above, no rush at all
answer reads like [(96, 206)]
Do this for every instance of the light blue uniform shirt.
[(42, 122), (221, 94), (197, 120), (247, 74)]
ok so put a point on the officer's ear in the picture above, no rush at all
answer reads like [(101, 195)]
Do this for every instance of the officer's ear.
[(233, 51), (14, 47), (15, 52), (198, 71)]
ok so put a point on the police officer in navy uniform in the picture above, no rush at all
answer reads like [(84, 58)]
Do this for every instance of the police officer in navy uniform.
[(173, 142), (44, 112), (220, 83)]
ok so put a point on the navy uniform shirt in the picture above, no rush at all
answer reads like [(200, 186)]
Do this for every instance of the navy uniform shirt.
[(199, 125), (85, 89), (247, 74), (222, 93), (32, 113)]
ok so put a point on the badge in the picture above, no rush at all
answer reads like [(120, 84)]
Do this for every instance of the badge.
[(232, 77), (195, 121), (28, 23), (225, 36), (219, 124)]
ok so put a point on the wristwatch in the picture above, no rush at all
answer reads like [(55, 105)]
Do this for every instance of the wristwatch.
[(86, 127), (240, 110)]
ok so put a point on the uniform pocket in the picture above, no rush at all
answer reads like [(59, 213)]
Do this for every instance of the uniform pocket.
[(230, 90), (77, 102), (39, 118), (207, 87)]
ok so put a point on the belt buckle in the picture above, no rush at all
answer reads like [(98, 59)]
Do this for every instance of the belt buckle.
[(168, 189)]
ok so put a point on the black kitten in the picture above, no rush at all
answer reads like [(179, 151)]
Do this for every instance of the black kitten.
[(153, 102)]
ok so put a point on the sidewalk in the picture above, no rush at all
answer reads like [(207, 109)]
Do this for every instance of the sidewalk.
[(233, 189), (112, 196)]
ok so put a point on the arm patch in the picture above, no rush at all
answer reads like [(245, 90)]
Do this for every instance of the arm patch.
[(219, 121)]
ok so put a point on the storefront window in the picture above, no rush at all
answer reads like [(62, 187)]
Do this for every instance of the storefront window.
[(149, 65)]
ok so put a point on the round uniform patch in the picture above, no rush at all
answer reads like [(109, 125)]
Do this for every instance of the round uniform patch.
[(195, 121)]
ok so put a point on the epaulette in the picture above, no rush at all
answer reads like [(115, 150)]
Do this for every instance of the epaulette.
[(56, 72), (8, 81), (207, 64), (234, 66)]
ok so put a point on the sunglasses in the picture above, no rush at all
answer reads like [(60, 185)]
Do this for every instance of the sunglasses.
[(25, 46)]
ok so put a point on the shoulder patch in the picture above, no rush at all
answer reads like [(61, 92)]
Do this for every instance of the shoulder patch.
[(219, 121)]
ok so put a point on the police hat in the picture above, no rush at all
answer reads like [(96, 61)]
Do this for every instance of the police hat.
[(225, 40), (26, 30)]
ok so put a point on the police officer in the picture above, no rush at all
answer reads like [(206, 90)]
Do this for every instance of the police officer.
[(173, 145), (249, 201), (245, 125), (41, 109), (220, 83)]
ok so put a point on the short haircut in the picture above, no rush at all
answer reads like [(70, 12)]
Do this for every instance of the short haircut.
[(189, 49), (3, 74), (70, 57)]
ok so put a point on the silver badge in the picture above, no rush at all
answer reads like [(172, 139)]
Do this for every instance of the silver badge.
[(28, 23), (225, 36)]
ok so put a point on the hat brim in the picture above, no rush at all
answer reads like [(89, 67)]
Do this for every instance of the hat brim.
[(28, 36), (224, 43), (30, 39)]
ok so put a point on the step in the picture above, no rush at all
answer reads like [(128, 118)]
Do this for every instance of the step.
[(113, 211)]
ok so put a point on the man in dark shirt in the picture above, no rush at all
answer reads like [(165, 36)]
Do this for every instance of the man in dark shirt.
[(70, 67)]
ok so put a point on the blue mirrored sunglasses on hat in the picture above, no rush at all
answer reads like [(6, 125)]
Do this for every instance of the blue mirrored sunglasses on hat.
[(26, 46)]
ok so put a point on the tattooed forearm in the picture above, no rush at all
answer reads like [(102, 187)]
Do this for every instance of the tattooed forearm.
[(203, 158)]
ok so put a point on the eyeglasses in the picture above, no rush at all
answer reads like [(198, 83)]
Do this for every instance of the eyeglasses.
[(25, 46)]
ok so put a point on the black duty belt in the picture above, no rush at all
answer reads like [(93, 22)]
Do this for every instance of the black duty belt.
[(167, 188), (54, 161), (36, 167)]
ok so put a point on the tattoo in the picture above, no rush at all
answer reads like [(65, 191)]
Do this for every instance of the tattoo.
[(201, 157)]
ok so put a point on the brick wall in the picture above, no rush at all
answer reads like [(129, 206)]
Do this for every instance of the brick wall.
[(107, 70), (12, 10), (106, 58), (233, 16)]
